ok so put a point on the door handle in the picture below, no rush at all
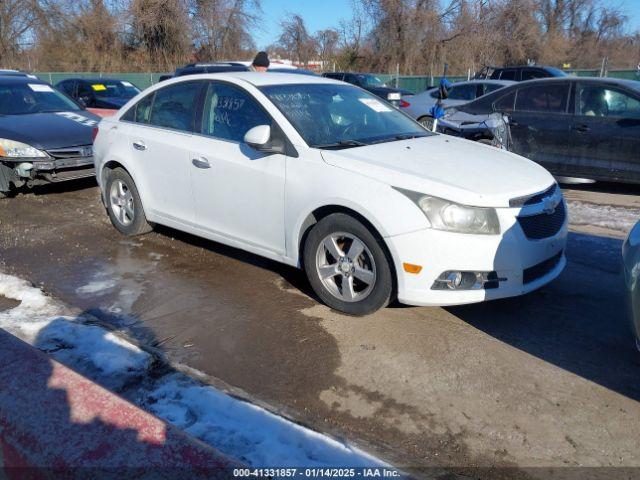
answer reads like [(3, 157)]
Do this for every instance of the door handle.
[(139, 145), (580, 128), (201, 162)]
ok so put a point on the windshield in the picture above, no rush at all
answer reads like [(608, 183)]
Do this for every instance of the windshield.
[(23, 98), (115, 89), (370, 80), (341, 116)]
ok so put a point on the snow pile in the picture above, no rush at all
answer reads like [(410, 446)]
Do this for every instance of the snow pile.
[(605, 216), (247, 431), (235, 427), (49, 326)]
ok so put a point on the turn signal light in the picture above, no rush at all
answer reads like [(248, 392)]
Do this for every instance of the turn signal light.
[(411, 268), (95, 133), (404, 104)]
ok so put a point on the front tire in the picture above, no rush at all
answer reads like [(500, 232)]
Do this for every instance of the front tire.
[(347, 266), (124, 205)]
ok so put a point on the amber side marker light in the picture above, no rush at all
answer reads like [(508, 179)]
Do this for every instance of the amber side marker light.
[(411, 268)]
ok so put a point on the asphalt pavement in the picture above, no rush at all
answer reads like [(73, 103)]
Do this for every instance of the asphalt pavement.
[(550, 379)]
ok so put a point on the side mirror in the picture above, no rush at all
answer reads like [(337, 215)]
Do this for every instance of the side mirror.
[(259, 138)]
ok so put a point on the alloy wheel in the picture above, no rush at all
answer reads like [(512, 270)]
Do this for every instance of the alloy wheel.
[(346, 267)]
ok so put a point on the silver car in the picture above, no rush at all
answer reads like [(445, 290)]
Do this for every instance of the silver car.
[(631, 271), (419, 106)]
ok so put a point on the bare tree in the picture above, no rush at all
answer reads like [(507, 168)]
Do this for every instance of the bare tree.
[(222, 28), (296, 39), (17, 17)]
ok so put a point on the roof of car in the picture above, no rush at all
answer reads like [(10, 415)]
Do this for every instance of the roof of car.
[(93, 80), (261, 79), (16, 79), (618, 81)]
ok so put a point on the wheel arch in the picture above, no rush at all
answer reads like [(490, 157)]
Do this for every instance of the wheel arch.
[(324, 211)]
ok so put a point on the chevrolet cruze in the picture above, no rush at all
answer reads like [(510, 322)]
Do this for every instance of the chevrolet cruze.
[(327, 177)]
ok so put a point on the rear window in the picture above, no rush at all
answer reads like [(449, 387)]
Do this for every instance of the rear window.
[(505, 103), (173, 106)]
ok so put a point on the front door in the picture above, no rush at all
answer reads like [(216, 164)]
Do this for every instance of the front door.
[(238, 191)]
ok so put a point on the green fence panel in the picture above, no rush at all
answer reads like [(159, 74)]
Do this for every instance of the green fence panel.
[(412, 83)]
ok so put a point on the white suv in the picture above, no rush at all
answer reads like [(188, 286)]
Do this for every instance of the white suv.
[(323, 175)]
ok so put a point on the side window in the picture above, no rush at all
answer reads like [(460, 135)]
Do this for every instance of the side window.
[(492, 87), (67, 87), (230, 112), (141, 111), (509, 74), (463, 92), (174, 106), (531, 73), (543, 98), (505, 103), (84, 90), (600, 101)]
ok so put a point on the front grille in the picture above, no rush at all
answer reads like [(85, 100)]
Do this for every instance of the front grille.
[(532, 274), (533, 199), (543, 225), (71, 152)]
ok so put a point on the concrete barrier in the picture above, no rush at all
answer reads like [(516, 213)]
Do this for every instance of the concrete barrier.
[(55, 423)]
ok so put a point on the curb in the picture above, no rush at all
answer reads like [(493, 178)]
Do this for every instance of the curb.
[(55, 423)]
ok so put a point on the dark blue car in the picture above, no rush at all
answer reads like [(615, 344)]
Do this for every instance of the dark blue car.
[(44, 135), (99, 92)]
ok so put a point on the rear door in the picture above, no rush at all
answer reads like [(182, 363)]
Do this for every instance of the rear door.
[(540, 123), (159, 141), (605, 132)]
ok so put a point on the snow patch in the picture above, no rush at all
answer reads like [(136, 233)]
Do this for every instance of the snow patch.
[(247, 431), (605, 216)]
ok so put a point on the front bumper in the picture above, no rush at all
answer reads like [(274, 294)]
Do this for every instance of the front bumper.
[(522, 264)]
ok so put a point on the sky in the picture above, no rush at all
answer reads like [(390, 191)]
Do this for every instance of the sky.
[(319, 14)]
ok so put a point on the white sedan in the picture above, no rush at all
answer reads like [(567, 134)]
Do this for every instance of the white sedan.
[(418, 106), (325, 176)]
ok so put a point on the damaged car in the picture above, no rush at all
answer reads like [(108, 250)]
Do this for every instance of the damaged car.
[(575, 127), (45, 137)]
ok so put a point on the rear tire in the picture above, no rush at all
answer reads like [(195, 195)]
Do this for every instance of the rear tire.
[(124, 205), (347, 265)]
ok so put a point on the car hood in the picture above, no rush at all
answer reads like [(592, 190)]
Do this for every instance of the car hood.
[(447, 167), (50, 130)]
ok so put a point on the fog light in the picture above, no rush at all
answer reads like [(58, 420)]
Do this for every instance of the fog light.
[(460, 280)]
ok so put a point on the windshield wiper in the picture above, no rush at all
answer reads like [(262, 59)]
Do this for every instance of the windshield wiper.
[(342, 144), (405, 136)]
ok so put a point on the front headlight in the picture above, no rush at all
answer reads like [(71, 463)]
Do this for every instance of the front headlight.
[(13, 149), (453, 217)]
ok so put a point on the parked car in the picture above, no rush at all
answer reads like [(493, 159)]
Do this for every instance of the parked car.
[(99, 92), (313, 172), (15, 73), (298, 71), (519, 73), (575, 127), (214, 67), (631, 270), (44, 135), (371, 83), (419, 106)]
